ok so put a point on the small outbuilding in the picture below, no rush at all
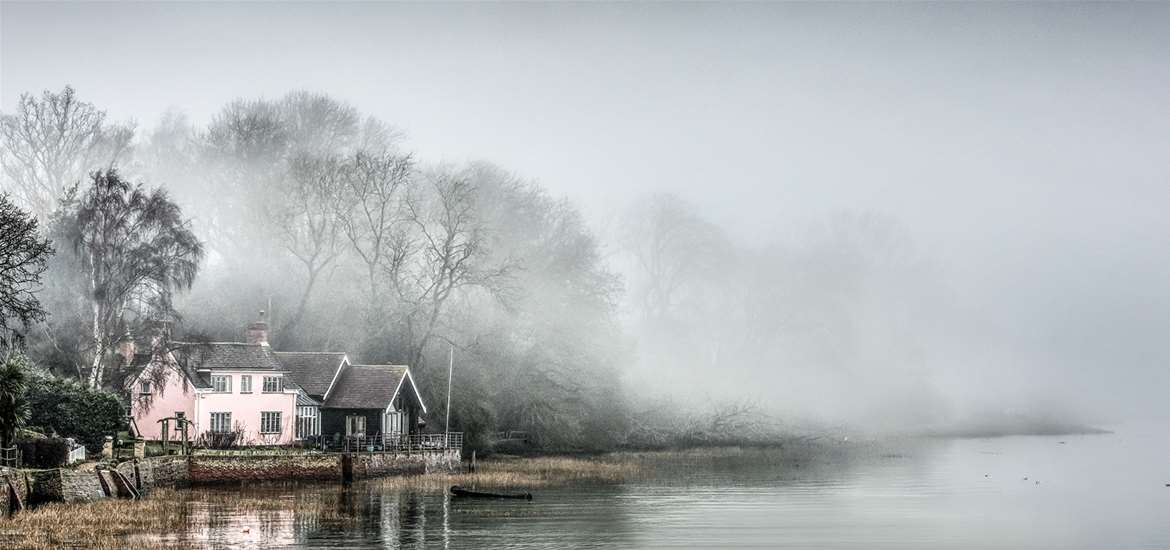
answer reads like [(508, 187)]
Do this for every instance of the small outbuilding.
[(378, 402)]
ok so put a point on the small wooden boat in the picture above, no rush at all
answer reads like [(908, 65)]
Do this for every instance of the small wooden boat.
[(458, 491)]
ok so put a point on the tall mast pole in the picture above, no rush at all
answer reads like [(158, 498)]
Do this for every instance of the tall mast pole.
[(450, 372)]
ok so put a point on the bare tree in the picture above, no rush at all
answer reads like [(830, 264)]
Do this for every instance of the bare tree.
[(51, 143), (318, 124), (304, 215), (673, 247), (449, 256), (243, 151), (375, 218), (23, 258)]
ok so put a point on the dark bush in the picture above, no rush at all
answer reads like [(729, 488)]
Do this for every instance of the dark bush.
[(215, 440), (73, 410), (49, 452)]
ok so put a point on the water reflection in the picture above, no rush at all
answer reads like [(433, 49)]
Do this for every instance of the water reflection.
[(1096, 492)]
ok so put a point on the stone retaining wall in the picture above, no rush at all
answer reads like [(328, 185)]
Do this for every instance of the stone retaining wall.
[(383, 464), (68, 485), (21, 481), (163, 471)]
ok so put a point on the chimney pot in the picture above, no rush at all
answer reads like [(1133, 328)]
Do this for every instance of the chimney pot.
[(257, 332)]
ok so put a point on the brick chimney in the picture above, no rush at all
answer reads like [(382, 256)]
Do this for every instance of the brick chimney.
[(257, 332)]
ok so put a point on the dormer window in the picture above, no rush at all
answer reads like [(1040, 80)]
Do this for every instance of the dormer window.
[(144, 388)]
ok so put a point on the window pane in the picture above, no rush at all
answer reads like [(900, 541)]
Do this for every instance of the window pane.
[(270, 422), (221, 422)]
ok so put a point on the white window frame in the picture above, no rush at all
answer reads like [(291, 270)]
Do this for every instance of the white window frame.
[(266, 421), (308, 422), (227, 383), (351, 425), (245, 383), (144, 387), (224, 425), (277, 381)]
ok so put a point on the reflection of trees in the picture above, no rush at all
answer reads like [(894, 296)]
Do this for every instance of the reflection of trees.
[(365, 514), (362, 513)]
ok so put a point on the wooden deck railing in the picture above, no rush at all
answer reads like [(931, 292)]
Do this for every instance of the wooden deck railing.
[(405, 443)]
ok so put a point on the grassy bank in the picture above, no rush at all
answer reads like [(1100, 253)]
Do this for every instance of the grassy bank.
[(102, 524)]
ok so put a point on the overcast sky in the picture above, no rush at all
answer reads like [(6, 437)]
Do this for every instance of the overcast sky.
[(1026, 146)]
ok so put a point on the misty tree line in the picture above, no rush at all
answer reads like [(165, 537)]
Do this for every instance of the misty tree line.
[(825, 325), (306, 208)]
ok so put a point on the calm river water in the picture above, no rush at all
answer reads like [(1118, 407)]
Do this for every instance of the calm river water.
[(1091, 492)]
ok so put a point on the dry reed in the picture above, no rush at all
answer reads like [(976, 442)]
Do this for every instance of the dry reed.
[(523, 473)]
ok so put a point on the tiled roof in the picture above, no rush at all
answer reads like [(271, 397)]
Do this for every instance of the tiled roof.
[(303, 400), (313, 371), (227, 356), (366, 387), (141, 360)]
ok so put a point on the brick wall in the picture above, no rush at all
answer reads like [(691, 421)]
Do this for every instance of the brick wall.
[(230, 469)]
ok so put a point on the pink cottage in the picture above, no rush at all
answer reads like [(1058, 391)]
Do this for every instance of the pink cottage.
[(257, 396)]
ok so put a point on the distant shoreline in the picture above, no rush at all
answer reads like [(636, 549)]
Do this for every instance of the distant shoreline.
[(979, 432)]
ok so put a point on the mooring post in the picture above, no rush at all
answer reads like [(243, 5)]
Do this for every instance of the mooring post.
[(184, 424), (166, 423)]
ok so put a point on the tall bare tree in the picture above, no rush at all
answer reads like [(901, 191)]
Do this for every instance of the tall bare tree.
[(375, 217), (50, 143), (137, 249), (673, 247), (305, 217), (450, 255), (318, 124)]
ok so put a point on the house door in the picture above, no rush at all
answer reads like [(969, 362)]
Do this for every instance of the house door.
[(394, 423), (355, 425)]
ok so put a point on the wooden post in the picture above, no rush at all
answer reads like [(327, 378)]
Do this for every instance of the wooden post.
[(184, 424), (166, 424)]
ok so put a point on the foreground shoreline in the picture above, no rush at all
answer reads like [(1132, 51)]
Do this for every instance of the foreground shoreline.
[(166, 516), (163, 517)]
